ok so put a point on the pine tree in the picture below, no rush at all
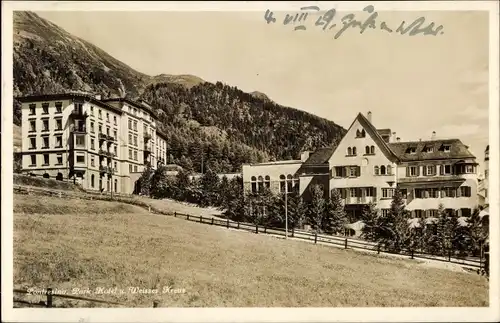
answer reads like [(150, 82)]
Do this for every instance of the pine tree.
[(316, 208), (297, 211), (394, 230), (443, 237), (475, 232), (335, 217), (145, 180), (369, 217)]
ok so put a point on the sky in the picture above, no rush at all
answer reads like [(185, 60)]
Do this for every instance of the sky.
[(412, 84)]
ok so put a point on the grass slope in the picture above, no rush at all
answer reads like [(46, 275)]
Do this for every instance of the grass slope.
[(88, 244)]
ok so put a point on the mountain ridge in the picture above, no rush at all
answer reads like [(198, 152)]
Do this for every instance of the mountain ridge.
[(250, 127)]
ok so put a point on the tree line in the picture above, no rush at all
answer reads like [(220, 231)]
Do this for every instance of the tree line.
[(392, 231)]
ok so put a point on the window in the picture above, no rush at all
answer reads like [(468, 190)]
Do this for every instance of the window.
[(32, 108), (80, 159), (45, 125), (92, 143), (354, 151), (432, 213), (58, 124), (32, 143), (32, 126), (404, 193), (412, 150), (387, 192), (115, 165), (465, 212), (135, 154), (116, 151), (429, 170), (59, 159), (420, 193), (107, 116), (267, 181), (100, 128), (372, 150), (92, 179), (370, 191), (389, 170), (354, 171), (446, 148), (130, 139), (448, 192), (376, 170), (46, 159), (419, 213), (282, 183), (114, 120), (339, 171), (115, 134), (45, 142), (135, 125), (465, 191), (107, 131), (289, 183), (92, 161), (353, 192), (382, 170), (99, 114), (135, 168), (116, 184), (469, 169), (58, 107), (129, 123), (130, 168), (80, 141), (92, 126), (486, 172), (446, 169), (429, 149), (412, 170), (91, 110), (433, 193), (130, 154), (33, 160), (260, 183), (367, 150), (385, 212), (45, 108)]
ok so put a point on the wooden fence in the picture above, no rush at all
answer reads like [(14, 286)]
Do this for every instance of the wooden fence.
[(338, 241)]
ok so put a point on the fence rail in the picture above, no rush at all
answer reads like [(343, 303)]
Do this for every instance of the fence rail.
[(339, 241)]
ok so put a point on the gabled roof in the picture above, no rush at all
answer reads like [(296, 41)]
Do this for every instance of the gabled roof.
[(457, 150), (373, 132), (320, 156)]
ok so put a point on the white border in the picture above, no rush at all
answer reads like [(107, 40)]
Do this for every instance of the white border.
[(244, 314)]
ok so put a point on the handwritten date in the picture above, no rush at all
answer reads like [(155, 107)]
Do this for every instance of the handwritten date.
[(325, 21)]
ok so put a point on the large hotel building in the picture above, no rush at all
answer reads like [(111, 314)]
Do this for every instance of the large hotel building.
[(103, 145), (369, 163)]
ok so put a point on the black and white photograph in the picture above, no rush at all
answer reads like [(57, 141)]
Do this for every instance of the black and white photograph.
[(245, 157)]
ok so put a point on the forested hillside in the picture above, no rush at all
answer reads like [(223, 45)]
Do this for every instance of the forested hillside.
[(216, 125)]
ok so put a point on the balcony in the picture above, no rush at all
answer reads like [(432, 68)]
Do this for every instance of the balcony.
[(147, 149), (78, 114), (111, 138), (106, 169), (102, 136), (360, 200), (80, 129), (147, 137), (106, 153)]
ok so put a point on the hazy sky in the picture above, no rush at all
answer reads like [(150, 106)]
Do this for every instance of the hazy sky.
[(412, 84)]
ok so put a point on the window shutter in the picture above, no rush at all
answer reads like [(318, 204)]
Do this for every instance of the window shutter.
[(424, 170), (358, 171), (441, 169), (407, 171), (418, 170), (459, 192)]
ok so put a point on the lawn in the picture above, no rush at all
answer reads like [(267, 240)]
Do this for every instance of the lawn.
[(68, 244)]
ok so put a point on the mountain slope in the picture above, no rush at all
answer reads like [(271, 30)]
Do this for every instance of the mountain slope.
[(209, 125)]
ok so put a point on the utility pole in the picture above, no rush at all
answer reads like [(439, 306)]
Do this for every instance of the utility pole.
[(286, 210)]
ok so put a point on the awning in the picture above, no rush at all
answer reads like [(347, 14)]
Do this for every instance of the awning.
[(454, 183), (485, 212)]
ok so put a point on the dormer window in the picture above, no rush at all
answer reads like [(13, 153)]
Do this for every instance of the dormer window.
[(411, 150), (446, 148), (360, 133), (429, 149)]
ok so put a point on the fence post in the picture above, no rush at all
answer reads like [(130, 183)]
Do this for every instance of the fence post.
[(378, 249), (411, 253), (227, 224), (315, 237), (175, 214), (149, 209), (345, 243), (449, 254), (481, 257), (212, 221), (293, 232), (155, 303), (188, 217), (238, 224), (256, 228), (265, 228), (49, 297), (201, 219)]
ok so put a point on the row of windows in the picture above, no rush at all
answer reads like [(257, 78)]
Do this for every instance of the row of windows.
[(132, 154), (46, 142), (45, 108), (352, 151), (132, 124), (108, 129), (288, 183), (463, 191), (46, 125), (92, 183), (428, 149), (433, 170), (99, 115)]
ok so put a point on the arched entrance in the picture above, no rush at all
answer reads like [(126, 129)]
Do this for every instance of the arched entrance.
[(46, 175), (59, 177)]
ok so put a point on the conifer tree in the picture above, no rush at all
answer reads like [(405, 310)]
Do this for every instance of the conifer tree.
[(370, 217), (335, 216), (297, 210), (316, 208)]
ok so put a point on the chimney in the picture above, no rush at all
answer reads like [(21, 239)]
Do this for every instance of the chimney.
[(304, 156), (369, 116), (433, 135), (393, 138), (398, 139)]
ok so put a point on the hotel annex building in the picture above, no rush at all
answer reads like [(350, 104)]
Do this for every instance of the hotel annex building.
[(103, 145), (369, 163)]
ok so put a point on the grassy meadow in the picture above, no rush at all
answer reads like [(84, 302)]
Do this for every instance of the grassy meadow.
[(68, 244)]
